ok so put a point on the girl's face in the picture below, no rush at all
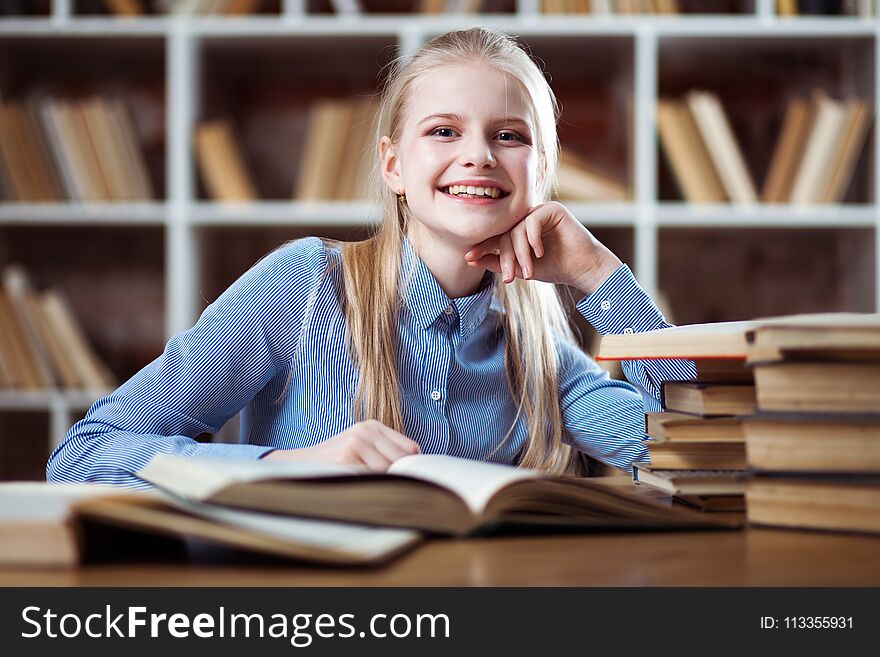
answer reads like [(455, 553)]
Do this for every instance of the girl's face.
[(466, 158)]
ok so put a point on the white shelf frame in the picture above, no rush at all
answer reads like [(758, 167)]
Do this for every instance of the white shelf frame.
[(181, 215)]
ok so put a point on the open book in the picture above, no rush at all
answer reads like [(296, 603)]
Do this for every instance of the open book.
[(436, 493), (45, 524)]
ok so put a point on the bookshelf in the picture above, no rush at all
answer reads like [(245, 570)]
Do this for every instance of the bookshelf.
[(163, 260)]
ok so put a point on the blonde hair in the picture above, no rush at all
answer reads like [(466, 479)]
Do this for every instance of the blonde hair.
[(532, 315)]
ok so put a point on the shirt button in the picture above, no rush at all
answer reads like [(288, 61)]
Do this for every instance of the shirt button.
[(605, 305), (627, 331), (449, 310), (435, 395)]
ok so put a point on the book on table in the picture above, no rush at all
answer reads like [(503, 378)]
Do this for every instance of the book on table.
[(43, 524), (836, 503), (683, 427), (434, 493), (834, 334), (707, 399), (810, 442), (697, 456), (824, 386), (691, 482)]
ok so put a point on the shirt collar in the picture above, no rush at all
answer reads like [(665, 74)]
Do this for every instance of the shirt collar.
[(427, 301)]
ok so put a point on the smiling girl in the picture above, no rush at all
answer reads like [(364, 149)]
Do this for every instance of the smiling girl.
[(442, 333)]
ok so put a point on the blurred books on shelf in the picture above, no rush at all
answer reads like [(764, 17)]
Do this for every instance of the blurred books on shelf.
[(813, 161), (42, 345), (196, 7), (221, 163), (859, 8), (578, 180), (609, 7), (338, 150), (83, 150)]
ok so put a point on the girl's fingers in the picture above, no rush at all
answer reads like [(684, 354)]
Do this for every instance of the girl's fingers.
[(522, 249), (534, 228), (508, 258), (401, 442), (488, 246), (371, 457)]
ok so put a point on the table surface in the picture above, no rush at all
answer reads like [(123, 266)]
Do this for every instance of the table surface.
[(750, 557)]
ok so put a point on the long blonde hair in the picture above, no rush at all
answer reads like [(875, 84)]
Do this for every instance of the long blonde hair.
[(533, 318)]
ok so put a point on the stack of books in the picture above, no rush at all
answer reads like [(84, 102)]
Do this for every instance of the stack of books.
[(81, 150), (813, 161), (812, 436), (697, 448), (324, 513), (814, 448), (42, 345)]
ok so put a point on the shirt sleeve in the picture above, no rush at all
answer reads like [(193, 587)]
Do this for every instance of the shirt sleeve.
[(620, 305), (603, 417), (205, 375)]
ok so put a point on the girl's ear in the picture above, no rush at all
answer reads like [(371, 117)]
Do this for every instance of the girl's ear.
[(390, 165)]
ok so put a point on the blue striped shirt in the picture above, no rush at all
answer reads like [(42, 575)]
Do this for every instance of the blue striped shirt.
[(272, 347)]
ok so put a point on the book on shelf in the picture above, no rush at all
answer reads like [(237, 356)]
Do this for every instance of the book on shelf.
[(578, 180), (18, 291), (84, 150), (124, 7), (323, 151), (752, 339), (25, 164), (686, 153), (63, 525), (823, 386), (434, 493), (815, 165), (691, 482), (697, 455), (42, 345), (807, 442), (17, 366), (209, 7), (849, 146), (842, 503), (222, 164), (358, 152), (716, 132), (685, 428), (788, 152), (706, 398)]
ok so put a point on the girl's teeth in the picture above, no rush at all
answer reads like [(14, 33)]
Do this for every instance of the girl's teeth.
[(471, 190)]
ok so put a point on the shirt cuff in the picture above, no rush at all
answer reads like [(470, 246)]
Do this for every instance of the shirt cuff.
[(232, 450), (620, 305)]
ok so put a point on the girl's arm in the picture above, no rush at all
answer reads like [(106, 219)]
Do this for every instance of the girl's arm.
[(205, 375), (619, 305)]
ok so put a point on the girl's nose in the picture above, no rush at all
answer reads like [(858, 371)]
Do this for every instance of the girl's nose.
[(477, 152)]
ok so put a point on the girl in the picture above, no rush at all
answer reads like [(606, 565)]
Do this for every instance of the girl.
[(442, 333)]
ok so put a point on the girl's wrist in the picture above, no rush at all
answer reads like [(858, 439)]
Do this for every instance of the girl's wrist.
[(602, 267)]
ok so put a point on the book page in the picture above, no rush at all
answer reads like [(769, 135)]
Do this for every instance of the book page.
[(198, 477), (474, 481), (367, 541), (38, 501)]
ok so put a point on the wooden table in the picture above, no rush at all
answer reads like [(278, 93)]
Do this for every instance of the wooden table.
[(751, 557)]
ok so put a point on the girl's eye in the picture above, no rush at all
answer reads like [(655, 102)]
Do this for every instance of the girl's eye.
[(510, 135), (443, 132)]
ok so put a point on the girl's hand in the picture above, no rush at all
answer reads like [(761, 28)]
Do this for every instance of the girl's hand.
[(368, 443), (549, 244)]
